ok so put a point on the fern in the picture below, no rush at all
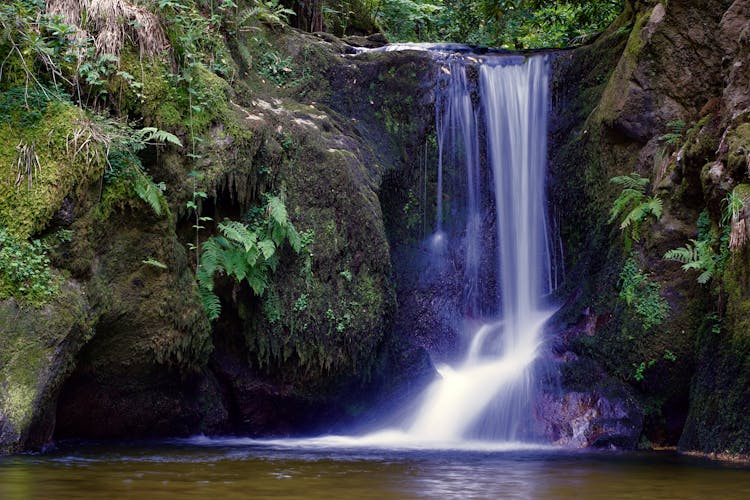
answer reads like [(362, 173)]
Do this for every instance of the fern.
[(634, 204), (698, 256), (642, 295), (155, 263), (153, 135), (237, 232), (674, 137), (245, 252), (271, 12), (211, 303), (632, 181), (149, 192)]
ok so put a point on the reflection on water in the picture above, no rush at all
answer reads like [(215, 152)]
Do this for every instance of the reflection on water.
[(251, 469)]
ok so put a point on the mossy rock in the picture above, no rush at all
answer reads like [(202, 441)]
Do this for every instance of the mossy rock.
[(138, 373), (738, 160), (718, 421), (38, 350), (184, 108), (44, 162)]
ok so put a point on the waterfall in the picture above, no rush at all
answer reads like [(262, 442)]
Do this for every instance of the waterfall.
[(487, 395), (492, 149)]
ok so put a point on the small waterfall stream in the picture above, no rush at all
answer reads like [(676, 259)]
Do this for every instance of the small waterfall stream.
[(487, 395)]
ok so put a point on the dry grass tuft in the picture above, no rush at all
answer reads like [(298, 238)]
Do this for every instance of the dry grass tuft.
[(111, 22)]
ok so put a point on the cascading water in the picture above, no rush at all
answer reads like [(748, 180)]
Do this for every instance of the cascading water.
[(487, 395)]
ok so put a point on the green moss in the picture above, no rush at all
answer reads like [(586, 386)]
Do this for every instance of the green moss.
[(739, 150), (25, 271), (617, 89), (167, 104), (721, 390), (57, 162), (742, 191)]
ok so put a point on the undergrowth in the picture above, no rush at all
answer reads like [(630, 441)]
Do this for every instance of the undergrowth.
[(25, 271)]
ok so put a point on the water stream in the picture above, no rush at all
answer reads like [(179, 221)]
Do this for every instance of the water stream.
[(487, 395)]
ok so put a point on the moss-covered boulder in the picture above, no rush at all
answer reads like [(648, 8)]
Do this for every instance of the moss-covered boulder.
[(141, 372), (38, 349), (311, 350), (48, 152)]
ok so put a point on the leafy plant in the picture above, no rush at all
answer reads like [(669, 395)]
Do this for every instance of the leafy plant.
[(642, 294), (697, 255), (246, 252), (124, 143), (640, 370), (150, 192), (154, 136), (274, 67), (634, 206), (25, 270), (701, 255), (271, 12), (675, 134), (715, 322), (194, 206), (150, 261)]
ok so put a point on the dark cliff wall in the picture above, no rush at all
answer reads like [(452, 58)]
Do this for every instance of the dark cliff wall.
[(660, 67)]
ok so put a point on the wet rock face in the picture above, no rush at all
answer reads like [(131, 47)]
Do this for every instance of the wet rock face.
[(589, 420), (138, 375), (734, 39), (669, 69), (683, 62)]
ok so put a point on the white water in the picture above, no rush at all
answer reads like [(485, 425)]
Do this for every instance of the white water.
[(488, 395)]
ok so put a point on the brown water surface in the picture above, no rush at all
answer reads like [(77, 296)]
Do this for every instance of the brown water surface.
[(248, 469)]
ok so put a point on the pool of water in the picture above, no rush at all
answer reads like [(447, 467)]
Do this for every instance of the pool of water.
[(219, 469)]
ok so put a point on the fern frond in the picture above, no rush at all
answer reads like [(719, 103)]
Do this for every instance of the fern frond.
[(267, 248), (155, 263), (211, 303), (626, 198), (294, 238), (149, 193), (705, 276), (631, 181), (257, 282), (211, 259), (248, 15), (682, 255), (148, 135), (238, 233), (636, 215), (277, 211), (655, 206), (697, 256)]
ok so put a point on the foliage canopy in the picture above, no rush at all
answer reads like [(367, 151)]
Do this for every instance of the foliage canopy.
[(514, 24)]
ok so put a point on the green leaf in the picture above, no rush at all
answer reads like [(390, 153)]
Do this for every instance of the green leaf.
[(155, 263), (267, 247)]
